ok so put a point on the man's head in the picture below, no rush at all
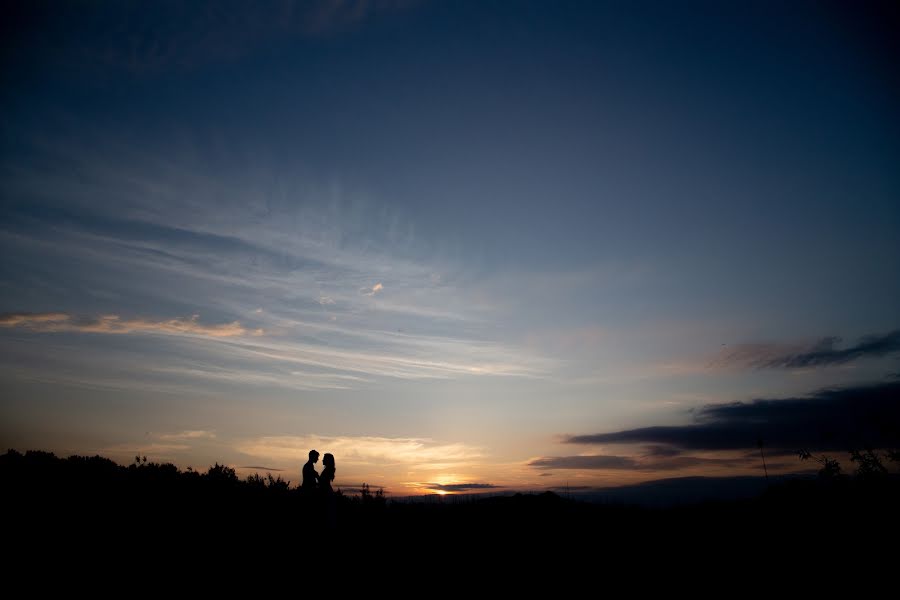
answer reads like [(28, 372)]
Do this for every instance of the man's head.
[(313, 456)]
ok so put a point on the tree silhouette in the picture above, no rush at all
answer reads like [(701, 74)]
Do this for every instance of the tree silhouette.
[(869, 464), (831, 468)]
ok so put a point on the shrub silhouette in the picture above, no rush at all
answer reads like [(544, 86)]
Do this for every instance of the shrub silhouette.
[(371, 499)]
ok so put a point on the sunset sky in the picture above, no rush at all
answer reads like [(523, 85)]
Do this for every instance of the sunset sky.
[(463, 246)]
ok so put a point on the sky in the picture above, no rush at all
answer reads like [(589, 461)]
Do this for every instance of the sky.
[(463, 246)]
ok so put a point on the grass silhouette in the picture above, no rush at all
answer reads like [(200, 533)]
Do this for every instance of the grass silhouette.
[(65, 502)]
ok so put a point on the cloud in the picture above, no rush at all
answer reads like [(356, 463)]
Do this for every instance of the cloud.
[(114, 324), (152, 450), (128, 235), (363, 450), (366, 291), (254, 375), (829, 419), (603, 462), (458, 487), (584, 462), (822, 353), (297, 356), (397, 356), (160, 446), (188, 435), (260, 468), (29, 319), (662, 451)]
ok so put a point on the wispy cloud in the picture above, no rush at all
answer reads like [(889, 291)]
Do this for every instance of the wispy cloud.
[(262, 266), (195, 434), (114, 324), (413, 452), (152, 449), (249, 376), (822, 353), (194, 363), (31, 319), (260, 468), (173, 446)]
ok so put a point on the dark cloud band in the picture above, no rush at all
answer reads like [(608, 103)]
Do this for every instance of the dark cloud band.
[(830, 419), (459, 487)]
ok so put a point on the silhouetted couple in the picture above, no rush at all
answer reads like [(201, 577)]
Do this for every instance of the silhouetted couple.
[(312, 481)]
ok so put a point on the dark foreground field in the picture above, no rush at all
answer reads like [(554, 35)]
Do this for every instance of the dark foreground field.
[(66, 507)]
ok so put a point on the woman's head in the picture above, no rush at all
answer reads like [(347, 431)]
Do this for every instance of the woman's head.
[(328, 460)]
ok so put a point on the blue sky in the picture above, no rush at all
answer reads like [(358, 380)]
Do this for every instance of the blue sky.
[(435, 238)]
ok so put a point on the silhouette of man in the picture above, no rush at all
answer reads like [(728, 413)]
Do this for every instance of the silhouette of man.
[(310, 476)]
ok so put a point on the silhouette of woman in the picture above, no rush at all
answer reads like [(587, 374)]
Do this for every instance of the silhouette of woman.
[(327, 475)]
